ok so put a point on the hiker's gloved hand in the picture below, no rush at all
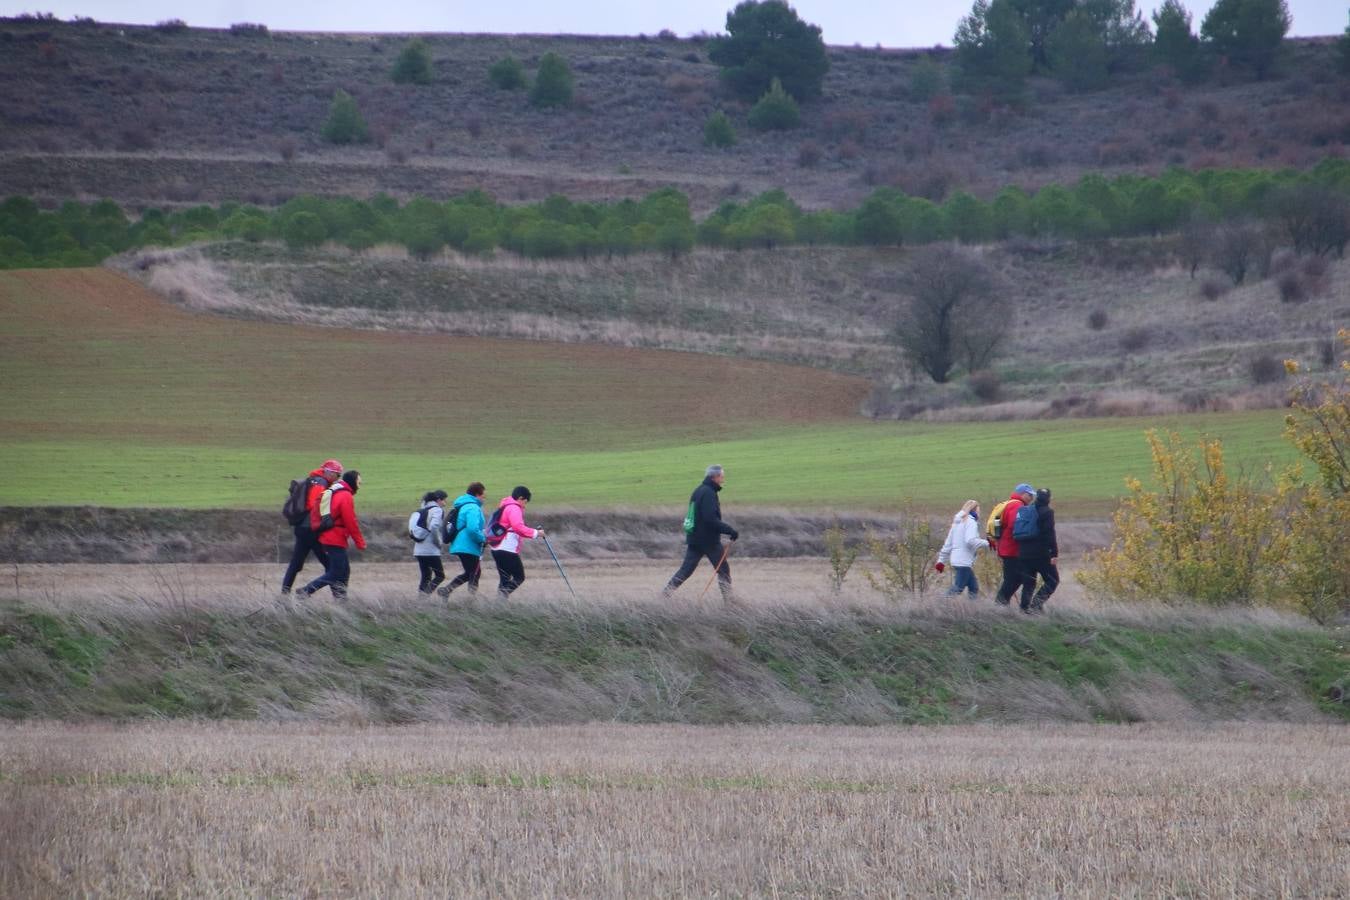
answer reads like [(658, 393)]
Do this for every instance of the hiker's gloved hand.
[(735, 534), (939, 566), (539, 532)]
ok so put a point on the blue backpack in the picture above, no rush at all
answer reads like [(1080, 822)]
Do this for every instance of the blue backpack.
[(1027, 525)]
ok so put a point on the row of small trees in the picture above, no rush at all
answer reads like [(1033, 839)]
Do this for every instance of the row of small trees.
[(1082, 41), (1311, 210)]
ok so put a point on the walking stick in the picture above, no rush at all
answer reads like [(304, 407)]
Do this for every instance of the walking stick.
[(559, 565), (717, 569)]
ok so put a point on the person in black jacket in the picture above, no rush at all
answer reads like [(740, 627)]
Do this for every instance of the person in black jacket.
[(1039, 555), (705, 539)]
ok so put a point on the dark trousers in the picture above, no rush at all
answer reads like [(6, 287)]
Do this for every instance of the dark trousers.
[(306, 542), (335, 575), (1049, 581), (692, 556), (510, 571), (432, 572), (473, 568), (1012, 579)]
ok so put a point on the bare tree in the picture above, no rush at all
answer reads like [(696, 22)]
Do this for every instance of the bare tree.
[(1197, 242), (1239, 248), (1316, 218), (953, 314)]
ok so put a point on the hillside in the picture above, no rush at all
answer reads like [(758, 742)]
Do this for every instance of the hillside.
[(147, 116)]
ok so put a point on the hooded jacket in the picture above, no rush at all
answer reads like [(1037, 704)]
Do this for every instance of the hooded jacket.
[(1007, 544), (513, 520), (469, 539), (708, 524), (342, 507), (1045, 545), (964, 540), (431, 544)]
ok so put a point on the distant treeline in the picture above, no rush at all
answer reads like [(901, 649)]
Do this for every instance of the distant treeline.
[(1095, 207)]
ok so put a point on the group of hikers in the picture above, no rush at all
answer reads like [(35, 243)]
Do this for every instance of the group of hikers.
[(1021, 530), (322, 513), (322, 510)]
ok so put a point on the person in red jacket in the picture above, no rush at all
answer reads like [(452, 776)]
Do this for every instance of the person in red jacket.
[(1006, 545), (306, 541), (338, 506)]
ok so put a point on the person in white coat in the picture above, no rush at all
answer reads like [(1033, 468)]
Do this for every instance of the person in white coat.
[(964, 540), (424, 527)]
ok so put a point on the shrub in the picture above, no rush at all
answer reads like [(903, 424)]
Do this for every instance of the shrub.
[(766, 42), (927, 80), (776, 110), (1265, 369), (942, 109), (808, 154), (135, 137), (842, 555), (904, 565), (345, 124), (413, 65), (287, 149), (249, 29), (171, 26), (1097, 319), (304, 229), (396, 153), (717, 131), (553, 84), (473, 124), (1195, 532), (1135, 339), (1213, 288), (985, 385), (1292, 289), (517, 149), (507, 73)]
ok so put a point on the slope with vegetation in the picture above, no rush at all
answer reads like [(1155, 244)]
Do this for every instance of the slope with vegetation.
[(153, 115), (529, 664)]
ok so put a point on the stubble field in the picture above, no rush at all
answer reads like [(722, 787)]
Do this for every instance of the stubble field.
[(609, 811)]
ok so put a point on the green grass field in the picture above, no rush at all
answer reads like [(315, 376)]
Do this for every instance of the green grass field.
[(114, 398)]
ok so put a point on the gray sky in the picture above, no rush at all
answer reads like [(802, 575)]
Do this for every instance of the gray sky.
[(843, 21)]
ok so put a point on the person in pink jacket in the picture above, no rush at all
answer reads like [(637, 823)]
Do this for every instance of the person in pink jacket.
[(504, 533)]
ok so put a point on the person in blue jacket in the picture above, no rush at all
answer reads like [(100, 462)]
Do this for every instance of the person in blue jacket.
[(464, 531)]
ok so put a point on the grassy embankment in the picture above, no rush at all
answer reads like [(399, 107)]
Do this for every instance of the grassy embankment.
[(540, 663), (114, 398)]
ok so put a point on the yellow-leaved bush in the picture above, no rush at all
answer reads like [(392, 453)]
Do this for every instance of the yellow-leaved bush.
[(1197, 532)]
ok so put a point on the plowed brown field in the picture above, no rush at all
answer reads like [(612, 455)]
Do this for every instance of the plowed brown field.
[(89, 353)]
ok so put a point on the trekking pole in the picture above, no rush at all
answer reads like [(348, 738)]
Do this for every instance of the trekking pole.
[(717, 570), (559, 565)]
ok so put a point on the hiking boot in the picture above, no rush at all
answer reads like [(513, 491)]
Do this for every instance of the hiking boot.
[(443, 592), (1001, 601)]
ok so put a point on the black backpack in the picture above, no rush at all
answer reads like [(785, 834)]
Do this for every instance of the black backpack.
[(295, 510), (451, 529), (416, 521)]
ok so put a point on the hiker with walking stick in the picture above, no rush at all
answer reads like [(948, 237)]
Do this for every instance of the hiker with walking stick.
[(505, 530), (703, 530)]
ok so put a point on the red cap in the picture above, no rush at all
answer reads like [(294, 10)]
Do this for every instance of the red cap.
[(331, 465)]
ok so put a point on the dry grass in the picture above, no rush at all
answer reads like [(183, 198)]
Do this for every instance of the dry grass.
[(613, 811)]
